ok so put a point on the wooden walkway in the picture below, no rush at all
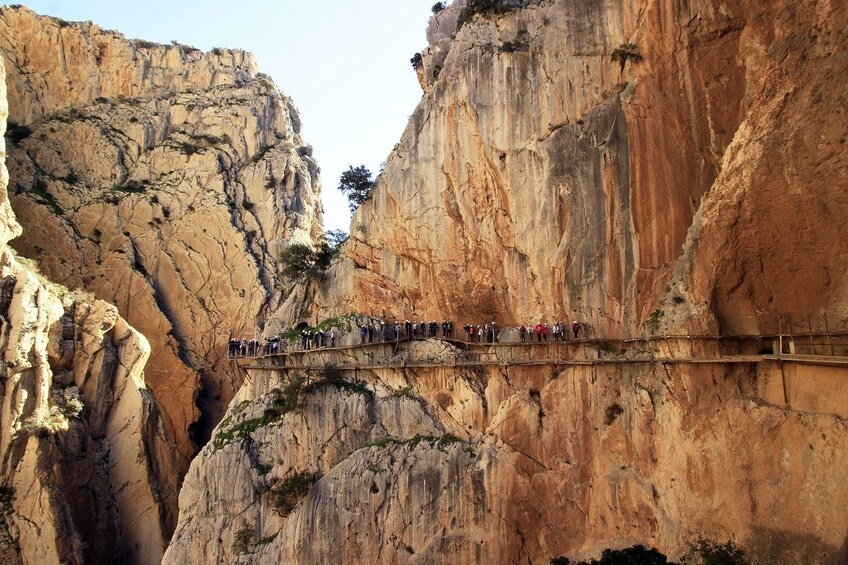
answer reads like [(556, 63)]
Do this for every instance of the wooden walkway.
[(563, 353)]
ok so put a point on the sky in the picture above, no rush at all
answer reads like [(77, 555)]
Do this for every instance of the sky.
[(345, 64)]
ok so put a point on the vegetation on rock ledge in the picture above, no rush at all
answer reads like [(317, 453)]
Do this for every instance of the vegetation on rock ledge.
[(474, 7), (288, 492), (302, 263)]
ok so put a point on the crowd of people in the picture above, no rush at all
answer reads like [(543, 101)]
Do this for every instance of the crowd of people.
[(559, 331), (253, 348), (408, 330), (379, 330)]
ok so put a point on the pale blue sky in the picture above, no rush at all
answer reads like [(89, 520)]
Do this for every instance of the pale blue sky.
[(345, 64)]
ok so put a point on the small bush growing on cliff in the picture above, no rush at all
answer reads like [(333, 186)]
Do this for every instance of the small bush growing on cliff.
[(706, 552), (520, 43), (438, 7), (356, 183), (638, 554), (285, 400), (242, 539), (416, 61), (302, 263), (330, 375), (652, 324), (626, 52), (612, 412), (474, 7), (287, 493), (17, 133)]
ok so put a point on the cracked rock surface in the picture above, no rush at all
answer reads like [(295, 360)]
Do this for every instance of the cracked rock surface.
[(89, 473), (514, 465), (602, 160), (164, 180)]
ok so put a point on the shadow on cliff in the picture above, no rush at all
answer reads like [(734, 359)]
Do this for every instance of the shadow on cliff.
[(772, 545)]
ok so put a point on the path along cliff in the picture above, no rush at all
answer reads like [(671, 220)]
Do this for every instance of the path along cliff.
[(165, 181), (614, 162), (519, 463)]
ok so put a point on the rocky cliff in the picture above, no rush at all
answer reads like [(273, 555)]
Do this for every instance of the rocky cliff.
[(88, 472), (513, 465), (564, 152), (164, 180), (602, 160)]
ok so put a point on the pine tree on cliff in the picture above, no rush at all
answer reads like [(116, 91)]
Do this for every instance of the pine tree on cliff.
[(356, 183)]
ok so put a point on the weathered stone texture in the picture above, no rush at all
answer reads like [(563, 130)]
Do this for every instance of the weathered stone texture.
[(540, 176), (89, 474), (164, 180), (545, 462)]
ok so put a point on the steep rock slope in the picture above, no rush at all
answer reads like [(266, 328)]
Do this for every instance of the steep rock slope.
[(514, 465), (165, 181), (769, 235), (88, 472), (559, 156)]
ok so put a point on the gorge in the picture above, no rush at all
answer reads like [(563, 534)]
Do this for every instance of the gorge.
[(667, 172)]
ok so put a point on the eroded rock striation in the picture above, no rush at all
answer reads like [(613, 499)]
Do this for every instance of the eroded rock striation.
[(614, 162), (89, 473), (164, 180), (564, 151), (514, 465)]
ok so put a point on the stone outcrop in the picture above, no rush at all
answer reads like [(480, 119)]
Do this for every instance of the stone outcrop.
[(164, 180), (515, 465), (616, 162), (88, 472), (563, 152)]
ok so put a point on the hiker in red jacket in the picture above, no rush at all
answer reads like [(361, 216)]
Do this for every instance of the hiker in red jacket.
[(539, 329)]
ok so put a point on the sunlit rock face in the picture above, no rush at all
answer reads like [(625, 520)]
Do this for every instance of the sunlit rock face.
[(514, 465), (89, 473), (564, 152), (165, 181)]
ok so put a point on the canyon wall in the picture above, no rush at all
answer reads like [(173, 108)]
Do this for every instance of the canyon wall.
[(514, 465), (164, 180), (88, 472), (563, 152)]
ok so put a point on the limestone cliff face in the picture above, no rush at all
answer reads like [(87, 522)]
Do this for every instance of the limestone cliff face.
[(165, 181), (88, 472), (563, 151), (768, 236), (516, 465)]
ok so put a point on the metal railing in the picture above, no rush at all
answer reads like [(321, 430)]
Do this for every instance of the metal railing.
[(796, 334)]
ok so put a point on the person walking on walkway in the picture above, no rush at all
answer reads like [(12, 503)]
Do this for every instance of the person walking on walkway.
[(539, 332), (575, 327), (522, 333)]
